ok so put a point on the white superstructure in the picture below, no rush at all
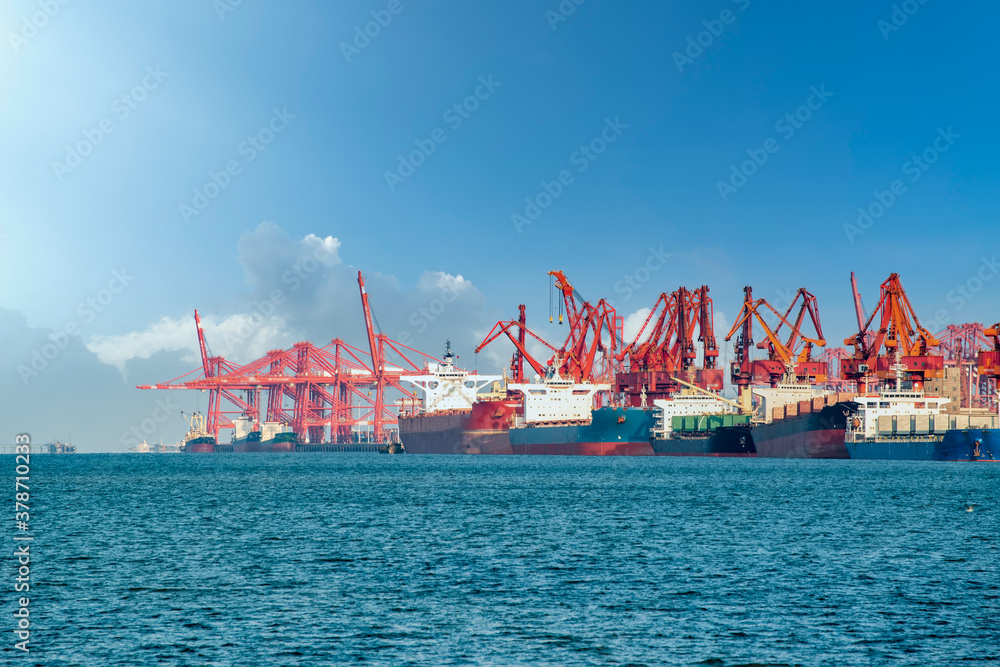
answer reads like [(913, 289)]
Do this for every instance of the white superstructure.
[(557, 400), (270, 429), (448, 388), (242, 426), (896, 412), (687, 404)]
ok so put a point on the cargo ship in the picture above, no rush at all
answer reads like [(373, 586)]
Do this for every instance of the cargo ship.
[(608, 431), (197, 440), (558, 419), (796, 421), (910, 426), (452, 417), (272, 437), (699, 423)]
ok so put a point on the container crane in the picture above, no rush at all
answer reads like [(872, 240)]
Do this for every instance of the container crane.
[(658, 354), (989, 361), (788, 360), (578, 357), (521, 354), (907, 344), (312, 388)]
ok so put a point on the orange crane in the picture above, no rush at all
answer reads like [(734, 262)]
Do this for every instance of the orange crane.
[(787, 360), (578, 357), (907, 356), (989, 360)]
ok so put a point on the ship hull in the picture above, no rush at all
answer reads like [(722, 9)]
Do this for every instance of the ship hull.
[(611, 432), (482, 430), (272, 446), (726, 441), (200, 446), (955, 445), (817, 435)]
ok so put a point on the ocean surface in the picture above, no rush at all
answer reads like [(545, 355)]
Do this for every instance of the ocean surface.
[(331, 559)]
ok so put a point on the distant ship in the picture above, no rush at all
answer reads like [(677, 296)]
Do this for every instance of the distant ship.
[(270, 438), (910, 426), (197, 440), (160, 448), (58, 447), (452, 417), (142, 448)]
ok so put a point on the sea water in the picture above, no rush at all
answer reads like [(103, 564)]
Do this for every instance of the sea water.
[(329, 559)]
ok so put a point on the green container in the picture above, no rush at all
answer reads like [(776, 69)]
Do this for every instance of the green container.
[(741, 420), (715, 421), (690, 423), (677, 423)]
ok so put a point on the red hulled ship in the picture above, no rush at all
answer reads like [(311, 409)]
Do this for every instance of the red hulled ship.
[(453, 418)]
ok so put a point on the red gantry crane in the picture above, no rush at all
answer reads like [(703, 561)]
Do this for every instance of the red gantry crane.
[(988, 366), (324, 393), (667, 351), (907, 344), (832, 357)]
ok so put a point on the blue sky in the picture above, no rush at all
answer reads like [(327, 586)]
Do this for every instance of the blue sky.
[(555, 85)]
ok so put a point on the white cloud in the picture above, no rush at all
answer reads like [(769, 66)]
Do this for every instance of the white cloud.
[(438, 281), (240, 337), (303, 290), (166, 334), (633, 323)]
